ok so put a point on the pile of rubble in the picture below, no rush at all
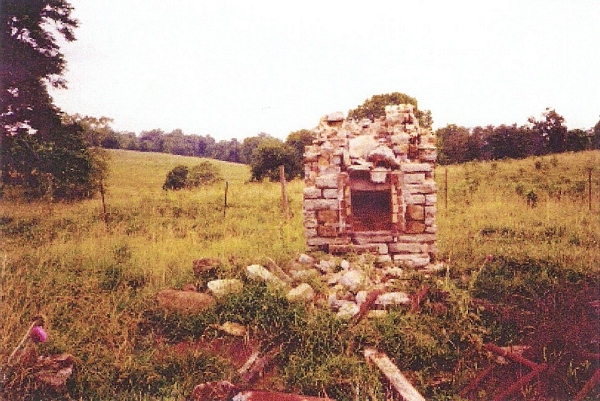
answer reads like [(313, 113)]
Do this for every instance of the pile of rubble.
[(351, 287)]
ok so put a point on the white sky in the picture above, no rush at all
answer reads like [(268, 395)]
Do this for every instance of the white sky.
[(233, 69)]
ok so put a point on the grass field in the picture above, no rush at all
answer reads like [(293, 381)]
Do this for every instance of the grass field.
[(94, 279)]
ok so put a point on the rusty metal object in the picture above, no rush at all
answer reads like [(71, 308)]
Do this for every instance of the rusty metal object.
[(589, 385)]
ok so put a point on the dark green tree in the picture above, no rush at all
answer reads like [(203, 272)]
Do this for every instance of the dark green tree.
[(374, 107), (298, 141), (38, 151), (452, 144), (267, 158), (553, 129), (250, 144), (596, 136)]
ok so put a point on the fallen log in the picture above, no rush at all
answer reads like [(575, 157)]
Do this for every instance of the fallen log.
[(252, 395), (393, 374)]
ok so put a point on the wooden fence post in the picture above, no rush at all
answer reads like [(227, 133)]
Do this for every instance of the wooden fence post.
[(590, 188), (225, 201), (284, 199), (446, 191)]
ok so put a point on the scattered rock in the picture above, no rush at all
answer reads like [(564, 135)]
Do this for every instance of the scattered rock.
[(347, 310), (302, 293), (304, 275), (352, 279), (306, 259), (225, 286), (325, 266), (393, 298), (260, 273), (184, 301)]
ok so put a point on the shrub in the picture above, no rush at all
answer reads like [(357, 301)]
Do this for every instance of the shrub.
[(176, 178), (183, 177), (203, 174)]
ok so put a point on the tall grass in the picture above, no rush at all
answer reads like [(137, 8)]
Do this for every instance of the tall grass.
[(94, 277)]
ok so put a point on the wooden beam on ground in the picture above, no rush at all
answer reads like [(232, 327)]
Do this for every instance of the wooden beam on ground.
[(252, 395), (393, 374)]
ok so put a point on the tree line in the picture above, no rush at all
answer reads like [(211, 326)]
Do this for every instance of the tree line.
[(47, 153), (548, 134)]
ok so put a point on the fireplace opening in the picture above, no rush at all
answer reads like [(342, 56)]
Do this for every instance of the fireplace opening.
[(371, 210)]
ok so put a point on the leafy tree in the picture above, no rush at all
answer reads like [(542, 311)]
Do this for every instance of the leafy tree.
[(374, 107), (152, 141), (298, 141), (578, 140), (38, 150), (250, 144), (127, 140), (452, 144), (596, 136), (96, 131), (226, 151), (267, 158), (553, 129)]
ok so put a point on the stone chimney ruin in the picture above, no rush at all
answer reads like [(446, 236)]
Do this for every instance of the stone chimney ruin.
[(370, 188)]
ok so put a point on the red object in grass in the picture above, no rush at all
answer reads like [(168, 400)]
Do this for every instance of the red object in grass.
[(38, 334)]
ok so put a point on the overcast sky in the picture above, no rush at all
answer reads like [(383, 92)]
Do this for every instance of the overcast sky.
[(233, 69)]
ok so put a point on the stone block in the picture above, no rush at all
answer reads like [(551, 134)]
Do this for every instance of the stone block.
[(414, 178), (424, 238), (415, 212), (430, 199), (330, 193), (399, 247), (382, 249), (414, 199), (427, 187), (416, 167), (431, 229), (310, 232), (372, 237), (320, 204), (327, 231), (311, 192), (310, 217), (327, 181), (302, 293), (414, 227), (327, 216), (412, 261), (430, 211)]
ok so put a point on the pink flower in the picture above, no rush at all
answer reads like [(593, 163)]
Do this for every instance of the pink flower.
[(38, 335), (489, 258)]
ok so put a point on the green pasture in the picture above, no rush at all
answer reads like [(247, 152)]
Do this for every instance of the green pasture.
[(94, 277)]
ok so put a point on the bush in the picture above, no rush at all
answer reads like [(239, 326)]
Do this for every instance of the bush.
[(183, 177), (203, 174), (176, 178)]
